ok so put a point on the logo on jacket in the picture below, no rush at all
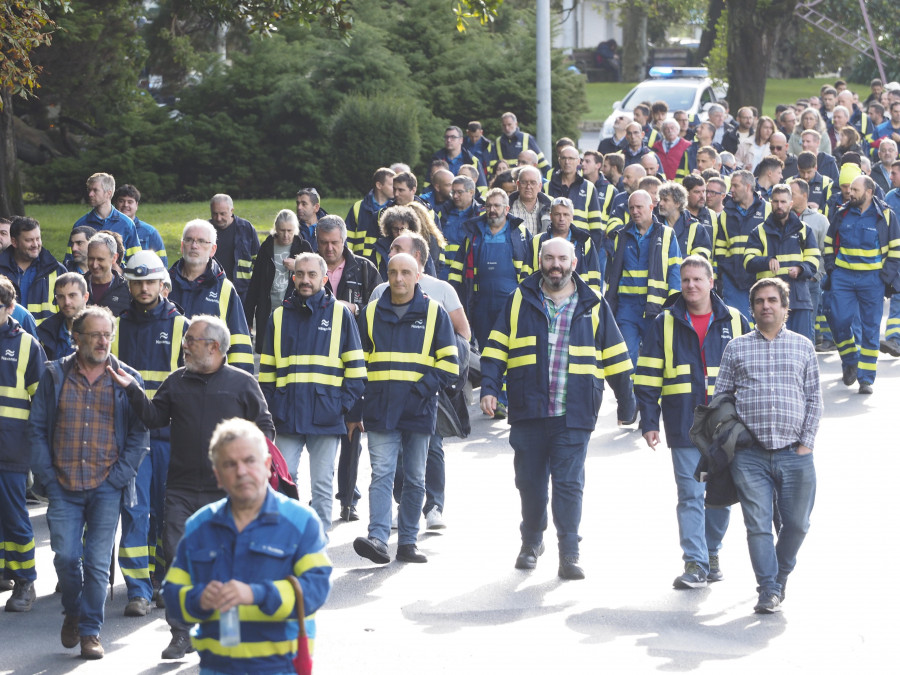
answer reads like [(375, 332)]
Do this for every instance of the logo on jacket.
[(324, 325), (726, 332), (163, 339), (9, 355), (419, 323), (213, 296)]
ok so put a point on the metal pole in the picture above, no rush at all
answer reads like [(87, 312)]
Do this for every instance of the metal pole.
[(862, 6), (544, 99)]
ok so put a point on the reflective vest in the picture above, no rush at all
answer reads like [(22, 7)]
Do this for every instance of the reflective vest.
[(21, 366), (663, 255), (734, 230)]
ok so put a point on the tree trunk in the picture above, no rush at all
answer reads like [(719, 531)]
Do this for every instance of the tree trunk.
[(708, 37), (634, 43), (752, 33), (11, 202)]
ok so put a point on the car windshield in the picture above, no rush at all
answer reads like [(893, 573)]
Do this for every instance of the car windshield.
[(677, 98)]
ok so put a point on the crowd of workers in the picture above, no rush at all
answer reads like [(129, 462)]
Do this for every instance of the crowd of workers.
[(681, 260)]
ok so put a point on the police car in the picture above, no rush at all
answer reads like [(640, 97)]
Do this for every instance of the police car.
[(688, 89)]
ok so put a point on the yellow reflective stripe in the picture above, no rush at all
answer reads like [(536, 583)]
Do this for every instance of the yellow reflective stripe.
[(586, 369), (444, 352), (310, 560), (430, 320), (518, 361), (307, 378), (614, 369), (13, 413), (655, 283), (680, 388), (136, 572), (634, 274), (177, 334), (648, 380), (337, 324), (860, 252), (131, 251), (240, 357), (284, 611), (396, 375), (224, 297), (358, 372), (19, 565), (245, 650), (499, 336), (493, 353), (582, 350), (615, 350), (650, 362), (370, 321), (178, 576), (134, 551), (857, 266), (401, 357), (18, 548), (868, 352), (668, 330), (240, 339)]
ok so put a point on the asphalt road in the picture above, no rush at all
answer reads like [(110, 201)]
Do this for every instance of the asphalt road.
[(469, 610)]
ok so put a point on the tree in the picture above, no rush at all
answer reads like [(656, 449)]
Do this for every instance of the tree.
[(754, 26)]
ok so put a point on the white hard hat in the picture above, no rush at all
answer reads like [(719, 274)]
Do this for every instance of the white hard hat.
[(145, 265)]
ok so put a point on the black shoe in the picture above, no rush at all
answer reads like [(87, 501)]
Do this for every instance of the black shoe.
[(410, 553), (715, 572), (865, 388), (349, 514), (371, 548), (569, 568), (769, 603), (22, 597), (69, 633), (849, 376), (178, 646), (528, 556), (890, 346)]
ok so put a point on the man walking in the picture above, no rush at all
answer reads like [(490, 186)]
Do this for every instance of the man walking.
[(773, 376)]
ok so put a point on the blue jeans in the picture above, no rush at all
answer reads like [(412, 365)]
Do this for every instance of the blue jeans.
[(547, 451), (435, 476), (322, 452), (857, 296), (385, 448), (83, 568), (761, 478), (700, 529)]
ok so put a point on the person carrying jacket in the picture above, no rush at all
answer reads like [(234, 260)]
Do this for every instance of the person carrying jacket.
[(148, 337), (643, 271), (271, 279), (411, 353), (557, 341), (676, 372), (21, 367), (31, 268), (743, 211), (200, 286), (237, 243), (311, 373), (784, 246), (862, 258)]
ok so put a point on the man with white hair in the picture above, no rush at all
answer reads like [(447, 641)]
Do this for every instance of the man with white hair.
[(512, 141), (105, 287), (671, 150), (193, 400), (200, 286), (237, 242)]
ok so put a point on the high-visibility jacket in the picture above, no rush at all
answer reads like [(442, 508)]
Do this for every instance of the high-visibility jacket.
[(820, 190), (847, 245), (587, 215), (151, 240), (150, 342), (588, 267), (116, 222), (693, 237), (362, 225), (453, 228), (212, 293), (40, 301), (670, 374), (246, 246), (284, 539), (792, 245), (518, 347), (483, 149), (657, 281), (464, 267), (508, 149), (312, 369), (408, 361), (21, 366), (734, 230)]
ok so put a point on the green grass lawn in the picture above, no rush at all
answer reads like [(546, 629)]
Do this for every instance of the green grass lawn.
[(56, 220), (602, 95)]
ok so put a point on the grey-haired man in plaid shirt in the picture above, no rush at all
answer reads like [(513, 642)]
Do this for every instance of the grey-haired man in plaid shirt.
[(773, 375)]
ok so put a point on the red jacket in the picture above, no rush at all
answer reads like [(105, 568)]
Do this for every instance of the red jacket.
[(671, 160)]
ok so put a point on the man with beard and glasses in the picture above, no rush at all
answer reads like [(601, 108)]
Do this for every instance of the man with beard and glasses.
[(566, 343), (194, 399)]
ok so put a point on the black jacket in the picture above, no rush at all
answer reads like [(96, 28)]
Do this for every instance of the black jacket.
[(117, 297), (359, 279), (195, 404), (259, 303)]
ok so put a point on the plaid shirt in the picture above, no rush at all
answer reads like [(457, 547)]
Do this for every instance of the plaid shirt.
[(776, 387), (84, 440), (559, 317)]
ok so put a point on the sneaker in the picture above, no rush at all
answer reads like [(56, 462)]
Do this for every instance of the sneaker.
[(372, 549), (501, 412), (91, 647), (69, 633), (826, 346), (693, 577), (22, 597), (865, 388), (715, 572), (769, 603), (137, 607), (410, 553), (890, 346), (179, 645), (433, 519), (528, 555), (569, 568), (849, 375)]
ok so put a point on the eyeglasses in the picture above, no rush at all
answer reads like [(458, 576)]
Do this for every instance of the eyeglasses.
[(776, 147), (96, 335), (189, 340), (200, 242), (713, 192)]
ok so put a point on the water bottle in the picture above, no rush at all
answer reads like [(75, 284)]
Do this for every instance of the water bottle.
[(230, 628)]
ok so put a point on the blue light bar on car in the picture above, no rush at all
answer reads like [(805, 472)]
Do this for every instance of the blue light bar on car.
[(672, 71)]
